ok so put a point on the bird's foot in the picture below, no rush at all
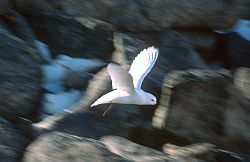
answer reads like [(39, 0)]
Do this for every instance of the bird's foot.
[(108, 110)]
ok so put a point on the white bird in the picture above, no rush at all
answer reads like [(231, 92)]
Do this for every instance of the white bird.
[(127, 84)]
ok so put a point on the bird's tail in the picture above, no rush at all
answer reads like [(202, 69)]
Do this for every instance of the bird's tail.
[(103, 100)]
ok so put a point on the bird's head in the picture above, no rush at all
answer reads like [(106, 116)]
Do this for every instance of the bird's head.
[(150, 99)]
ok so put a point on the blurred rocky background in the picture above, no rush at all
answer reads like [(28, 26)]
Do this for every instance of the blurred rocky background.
[(53, 55)]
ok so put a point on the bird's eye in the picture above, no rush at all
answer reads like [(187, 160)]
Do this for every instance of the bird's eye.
[(152, 99)]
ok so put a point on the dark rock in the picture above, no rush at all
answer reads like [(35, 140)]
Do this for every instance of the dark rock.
[(12, 143), (136, 152), (20, 76), (57, 146), (147, 15), (74, 36), (15, 23), (177, 54), (204, 106), (201, 41), (77, 80), (4, 5), (18, 26), (218, 155), (238, 51), (193, 150), (93, 125), (203, 151), (34, 7), (242, 80)]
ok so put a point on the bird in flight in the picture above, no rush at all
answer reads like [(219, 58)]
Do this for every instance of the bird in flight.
[(126, 85)]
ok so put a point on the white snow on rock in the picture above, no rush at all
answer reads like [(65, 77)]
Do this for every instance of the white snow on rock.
[(53, 103)]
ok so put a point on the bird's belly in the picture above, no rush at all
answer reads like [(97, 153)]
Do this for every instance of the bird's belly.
[(129, 99)]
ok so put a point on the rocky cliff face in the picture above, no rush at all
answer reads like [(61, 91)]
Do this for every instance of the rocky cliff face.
[(201, 80)]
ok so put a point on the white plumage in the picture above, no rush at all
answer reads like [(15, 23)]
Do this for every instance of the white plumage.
[(127, 85)]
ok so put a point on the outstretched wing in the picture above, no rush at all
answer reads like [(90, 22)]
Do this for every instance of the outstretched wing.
[(142, 65), (121, 79)]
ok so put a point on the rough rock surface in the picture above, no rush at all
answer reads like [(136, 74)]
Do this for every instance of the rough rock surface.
[(242, 80), (203, 151), (204, 106), (74, 36), (147, 15), (201, 41), (5, 4), (136, 152), (58, 146), (18, 25), (187, 151), (20, 76), (12, 143), (218, 155)]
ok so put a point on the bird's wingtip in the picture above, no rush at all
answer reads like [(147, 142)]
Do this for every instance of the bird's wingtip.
[(93, 105)]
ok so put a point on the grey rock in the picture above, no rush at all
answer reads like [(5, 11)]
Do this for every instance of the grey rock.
[(242, 80), (75, 36), (145, 15), (20, 76), (238, 51), (204, 106), (58, 146), (203, 151), (193, 150), (4, 5), (135, 152), (93, 124), (36, 7), (18, 26), (201, 41), (218, 155), (12, 143)]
